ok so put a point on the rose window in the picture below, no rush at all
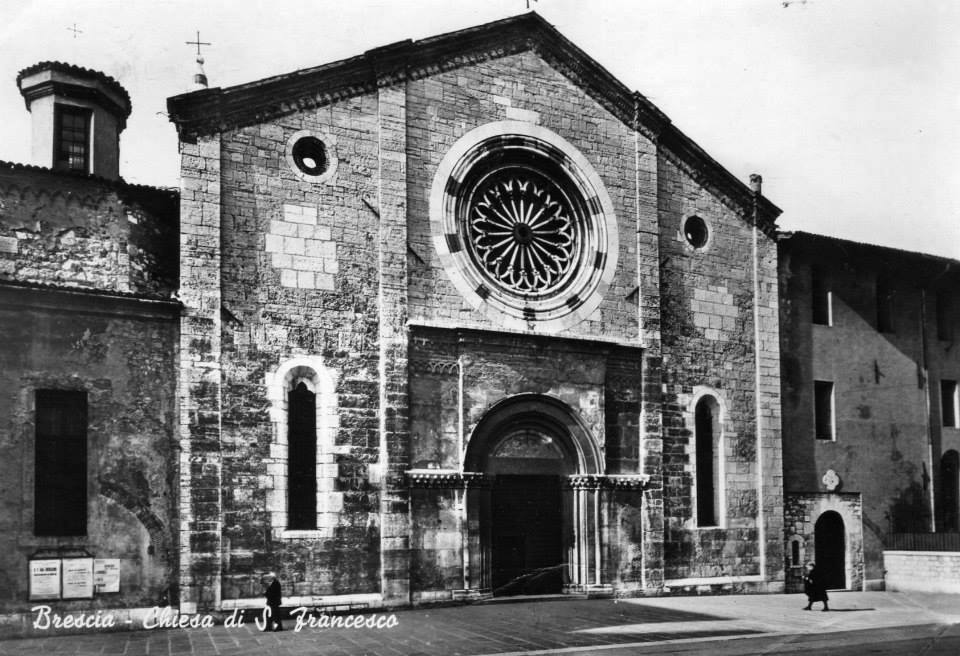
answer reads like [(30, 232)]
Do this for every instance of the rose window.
[(523, 226), (522, 231)]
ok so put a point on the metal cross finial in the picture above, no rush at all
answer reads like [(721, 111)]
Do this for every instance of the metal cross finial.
[(528, 3), (198, 43), (75, 30)]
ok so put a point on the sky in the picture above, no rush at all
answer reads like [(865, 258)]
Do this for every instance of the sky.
[(848, 108)]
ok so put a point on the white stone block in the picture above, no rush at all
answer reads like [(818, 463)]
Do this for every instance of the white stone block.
[(305, 280), (285, 229), (325, 281), (288, 278), (526, 115), (304, 263), (274, 243), (300, 214), (312, 247), (282, 261), (293, 245)]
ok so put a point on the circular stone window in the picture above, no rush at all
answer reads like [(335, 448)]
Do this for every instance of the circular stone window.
[(524, 226), (310, 156), (695, 231)]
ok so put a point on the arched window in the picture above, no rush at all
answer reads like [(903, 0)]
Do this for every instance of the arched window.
[(708, 464), (302, 498), (302, 445), (949, 493)]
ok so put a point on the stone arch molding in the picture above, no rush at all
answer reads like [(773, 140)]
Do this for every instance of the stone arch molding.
[(588, 260), (715, 396), (322, 381), (541, 413)]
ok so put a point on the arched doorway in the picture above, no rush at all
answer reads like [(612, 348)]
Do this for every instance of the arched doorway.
[(535, 531), (949, 492), (830, 549)]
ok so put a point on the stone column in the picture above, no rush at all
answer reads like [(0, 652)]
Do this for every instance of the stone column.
[(646, 131), (394, 337), (199, 380)]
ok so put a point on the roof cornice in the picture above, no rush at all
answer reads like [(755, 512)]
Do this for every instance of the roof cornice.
[(213, 110)]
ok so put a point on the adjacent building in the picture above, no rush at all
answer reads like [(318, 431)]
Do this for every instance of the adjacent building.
[(869, 372), (88, 362)]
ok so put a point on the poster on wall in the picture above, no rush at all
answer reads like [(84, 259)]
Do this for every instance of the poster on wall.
[(44, 579), (78, 578), (106, 575)]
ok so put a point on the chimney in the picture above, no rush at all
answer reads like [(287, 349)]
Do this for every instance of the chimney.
[(756, 183), (78, 115)]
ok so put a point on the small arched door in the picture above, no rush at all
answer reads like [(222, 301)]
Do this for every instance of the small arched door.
[(830, 548)]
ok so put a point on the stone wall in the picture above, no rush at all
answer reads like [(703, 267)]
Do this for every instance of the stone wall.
[(299, 281), (709, 305), (801, 512), (447, 105), (90, 233), (922, 571)]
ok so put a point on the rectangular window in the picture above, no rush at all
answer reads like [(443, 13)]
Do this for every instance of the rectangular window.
[(822, 300), (60, 463), (949, 404), (884, 306), (71, 138), (944, 316), (823, 409)]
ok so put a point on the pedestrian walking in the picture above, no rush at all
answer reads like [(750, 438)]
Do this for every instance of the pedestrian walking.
[(274, 596), (815, 587)]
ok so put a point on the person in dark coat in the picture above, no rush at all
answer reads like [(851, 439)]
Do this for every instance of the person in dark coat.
[(274, 597), (814, 587)]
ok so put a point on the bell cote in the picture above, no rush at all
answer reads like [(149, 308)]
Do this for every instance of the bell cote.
[(77, 116)]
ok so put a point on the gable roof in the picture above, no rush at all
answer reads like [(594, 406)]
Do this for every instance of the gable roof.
[(209, 111), (846, 253)]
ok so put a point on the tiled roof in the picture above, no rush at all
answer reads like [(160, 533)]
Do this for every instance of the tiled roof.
[(77, 175), (72, 69), (887, 254)]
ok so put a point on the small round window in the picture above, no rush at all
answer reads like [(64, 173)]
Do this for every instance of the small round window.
[(310, 156), (695, 231)]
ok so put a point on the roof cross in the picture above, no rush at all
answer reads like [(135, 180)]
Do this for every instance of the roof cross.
[(198, 43), (75, 30)]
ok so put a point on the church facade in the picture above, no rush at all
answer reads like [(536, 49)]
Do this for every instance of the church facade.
[(466, 316)]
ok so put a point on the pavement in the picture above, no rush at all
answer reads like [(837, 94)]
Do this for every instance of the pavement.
[(859, 622)]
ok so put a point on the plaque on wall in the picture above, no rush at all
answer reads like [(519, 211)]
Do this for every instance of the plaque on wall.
[(78, 578), (44, 579), (106, 575)]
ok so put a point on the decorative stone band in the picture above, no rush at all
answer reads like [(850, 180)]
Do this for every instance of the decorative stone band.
[(456, 480), (446, 479), (606, 481)]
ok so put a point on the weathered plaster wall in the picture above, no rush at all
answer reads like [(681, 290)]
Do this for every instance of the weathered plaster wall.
[(886, 426), (126, 366)]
